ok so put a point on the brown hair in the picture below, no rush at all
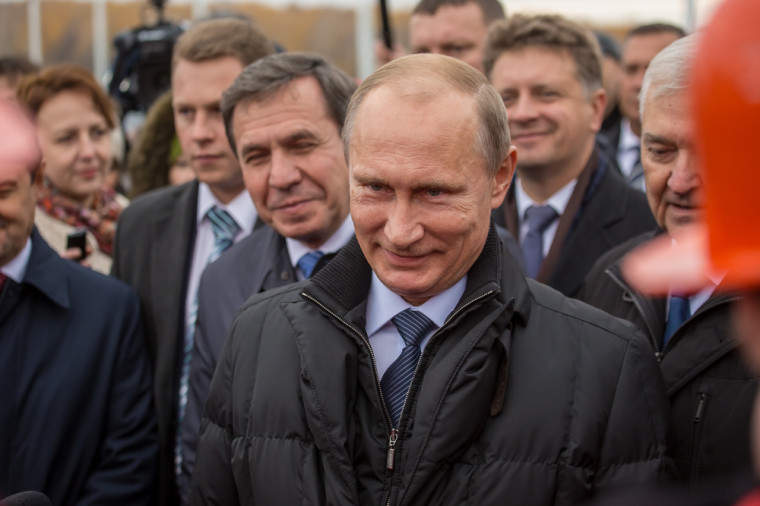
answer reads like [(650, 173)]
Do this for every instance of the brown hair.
[(550, 32), (217, 38), (35, 90), (429, 75)]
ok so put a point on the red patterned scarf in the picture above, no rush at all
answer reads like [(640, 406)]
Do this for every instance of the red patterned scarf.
[(100, 219)]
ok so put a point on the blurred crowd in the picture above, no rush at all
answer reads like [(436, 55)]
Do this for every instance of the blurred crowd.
[(289, 286)]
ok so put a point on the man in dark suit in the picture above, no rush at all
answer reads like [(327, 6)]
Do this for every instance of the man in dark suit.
[(284, 115), (568, 205), (710, 386), (166, 238), (76, 417)]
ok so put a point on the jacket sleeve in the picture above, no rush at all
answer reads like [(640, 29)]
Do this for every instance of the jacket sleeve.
[(212, 480), (639, 428), (126, 468)]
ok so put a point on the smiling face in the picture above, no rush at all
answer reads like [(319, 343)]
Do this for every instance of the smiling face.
[(76, 144), (458, 31), (671, 170), (552, 118), (19, 153), (197, 89), (421, 196), (293, 165)]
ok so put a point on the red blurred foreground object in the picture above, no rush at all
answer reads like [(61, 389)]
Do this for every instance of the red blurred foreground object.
[(726, 95)]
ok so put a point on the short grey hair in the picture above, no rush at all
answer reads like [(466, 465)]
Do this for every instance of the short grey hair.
[(432, 74), (265, 77), (669, 72)]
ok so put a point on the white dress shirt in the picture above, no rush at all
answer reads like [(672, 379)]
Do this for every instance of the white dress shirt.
[(628, 149), (558, 202), (16, 268), (339, 239), (383, 305), (240, 208)]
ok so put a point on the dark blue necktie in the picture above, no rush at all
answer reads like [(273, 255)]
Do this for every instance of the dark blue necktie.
[(538, 219), (678, 313), (413, 326), (308, 261)]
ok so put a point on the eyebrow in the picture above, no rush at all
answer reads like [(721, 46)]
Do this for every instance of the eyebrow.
[(656, 139)]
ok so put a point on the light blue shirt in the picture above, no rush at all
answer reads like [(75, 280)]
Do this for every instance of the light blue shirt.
[(383, 304), (16, 268), (339, 239)]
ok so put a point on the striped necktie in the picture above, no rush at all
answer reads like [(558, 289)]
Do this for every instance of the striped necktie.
[(225, 228), (413, 326)]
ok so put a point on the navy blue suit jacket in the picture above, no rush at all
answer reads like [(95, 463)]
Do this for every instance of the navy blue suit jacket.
[(76, 416)]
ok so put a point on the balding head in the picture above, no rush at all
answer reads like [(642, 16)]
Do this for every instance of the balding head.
[(19, 157), (424, 77)]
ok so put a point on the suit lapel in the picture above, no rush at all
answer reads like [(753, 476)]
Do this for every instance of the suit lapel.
[(172, 235)]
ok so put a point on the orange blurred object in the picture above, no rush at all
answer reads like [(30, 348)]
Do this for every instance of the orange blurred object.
[(726, 105)]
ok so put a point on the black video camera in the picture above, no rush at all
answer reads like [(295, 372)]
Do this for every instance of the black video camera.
[(142, 68)]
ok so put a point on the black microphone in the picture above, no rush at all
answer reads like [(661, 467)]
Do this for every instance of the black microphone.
[(26, 499)]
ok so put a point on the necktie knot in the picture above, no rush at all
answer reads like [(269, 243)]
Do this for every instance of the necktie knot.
[(3, 277), (538, 218), (308, 261), (223, 225), (413, 326)]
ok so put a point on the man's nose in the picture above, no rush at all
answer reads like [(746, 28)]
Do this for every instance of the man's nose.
[(402, 227), (523, 109), (283, 172), (685, 175)]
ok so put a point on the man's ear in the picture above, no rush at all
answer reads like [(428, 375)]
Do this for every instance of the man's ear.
[(503, 178), (598, 103)]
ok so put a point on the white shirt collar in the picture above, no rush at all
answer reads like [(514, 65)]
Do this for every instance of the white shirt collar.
[(16, 268), (558, 201), (383, 304), (628, 139), (339, 239), (241, 208)]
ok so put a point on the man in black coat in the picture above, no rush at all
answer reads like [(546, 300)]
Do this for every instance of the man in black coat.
[(568, 205), (711, 388), (420, 366), (76, 417)]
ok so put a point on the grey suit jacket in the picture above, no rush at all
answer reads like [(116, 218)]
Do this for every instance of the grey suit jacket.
[(257, 263), (152, 251)]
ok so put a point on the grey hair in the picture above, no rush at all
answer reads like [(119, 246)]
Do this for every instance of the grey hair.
[(429, 75), (670, 70), (265, 77)]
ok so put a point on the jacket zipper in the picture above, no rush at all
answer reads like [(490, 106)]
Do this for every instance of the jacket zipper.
[(640, 309), (697, 435), (390, 454)]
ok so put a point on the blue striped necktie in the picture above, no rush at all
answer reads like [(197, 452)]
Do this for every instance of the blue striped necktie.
[(413, 326), (225, 228)]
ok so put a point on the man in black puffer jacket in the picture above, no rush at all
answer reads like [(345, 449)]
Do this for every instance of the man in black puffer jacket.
[(710, 387), (514, 393)]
